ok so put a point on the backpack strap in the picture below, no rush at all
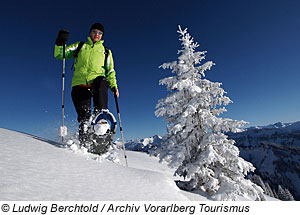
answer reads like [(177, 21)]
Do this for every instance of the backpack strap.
[(77, 52), (106, 52), (78, 49)]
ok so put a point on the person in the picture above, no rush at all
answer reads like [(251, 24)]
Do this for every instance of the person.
[(91, 78)]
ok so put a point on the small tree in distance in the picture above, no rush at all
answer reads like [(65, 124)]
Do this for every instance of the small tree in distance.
[(195, 143)]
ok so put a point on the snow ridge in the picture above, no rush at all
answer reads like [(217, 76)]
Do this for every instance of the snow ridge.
[(33, 168)]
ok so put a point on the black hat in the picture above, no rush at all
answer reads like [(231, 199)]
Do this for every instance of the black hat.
[(98, 26)]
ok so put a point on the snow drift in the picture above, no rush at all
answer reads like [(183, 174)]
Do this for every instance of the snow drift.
[(33, 168)]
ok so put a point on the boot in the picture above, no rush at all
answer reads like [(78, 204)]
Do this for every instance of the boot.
[(83, 133)]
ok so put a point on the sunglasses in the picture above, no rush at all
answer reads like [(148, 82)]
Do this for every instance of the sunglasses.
[(97, 32)]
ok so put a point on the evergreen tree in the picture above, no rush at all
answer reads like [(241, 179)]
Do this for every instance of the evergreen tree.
[(289, 196), (269, 191), (275, 194), (281, 193), (196, 143), (284, 194), (258, 180)]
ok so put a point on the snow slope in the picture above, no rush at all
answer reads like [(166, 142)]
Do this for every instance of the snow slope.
[(33, 168)]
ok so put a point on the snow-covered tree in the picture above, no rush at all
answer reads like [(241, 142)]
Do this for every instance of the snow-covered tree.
[(284, 194), (289, 196), (196, 143), (275, 194), (281, 193), (269, 191), (258, 180)]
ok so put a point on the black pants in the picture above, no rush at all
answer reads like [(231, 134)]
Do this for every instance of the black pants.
[(82, 96)]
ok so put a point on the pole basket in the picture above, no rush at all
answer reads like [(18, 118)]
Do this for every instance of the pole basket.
[(63, 131)]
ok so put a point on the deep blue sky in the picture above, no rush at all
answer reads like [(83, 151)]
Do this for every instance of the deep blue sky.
[(255, 45)]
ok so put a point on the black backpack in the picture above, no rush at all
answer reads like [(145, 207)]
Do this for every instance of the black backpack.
[(79, 48)]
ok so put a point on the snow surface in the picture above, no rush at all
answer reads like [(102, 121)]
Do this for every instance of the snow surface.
[(33, 168)]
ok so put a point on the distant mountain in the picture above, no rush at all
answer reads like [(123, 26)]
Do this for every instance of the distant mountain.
[(275, 152), (287, 134), (288, 126), (273, 149), (143, 145)]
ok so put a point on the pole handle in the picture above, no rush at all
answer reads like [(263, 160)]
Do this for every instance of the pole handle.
[(64, 50)]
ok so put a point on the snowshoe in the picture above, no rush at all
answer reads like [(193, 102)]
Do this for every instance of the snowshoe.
[(101, 132), (100, 143)]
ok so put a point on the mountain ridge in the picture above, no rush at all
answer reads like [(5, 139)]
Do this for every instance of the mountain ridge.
[(273, 149)]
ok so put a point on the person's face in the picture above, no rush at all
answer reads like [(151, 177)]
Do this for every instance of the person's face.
[(96, 35)]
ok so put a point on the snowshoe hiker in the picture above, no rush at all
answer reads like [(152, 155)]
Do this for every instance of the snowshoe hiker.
[(93, 74)]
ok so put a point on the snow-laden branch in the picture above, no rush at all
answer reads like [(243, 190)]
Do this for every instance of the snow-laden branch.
[(196, 143)]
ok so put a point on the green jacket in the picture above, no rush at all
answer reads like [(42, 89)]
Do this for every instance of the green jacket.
[(89, 63)]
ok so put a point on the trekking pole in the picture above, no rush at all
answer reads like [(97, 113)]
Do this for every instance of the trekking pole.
[(63, 129), (121, 130)]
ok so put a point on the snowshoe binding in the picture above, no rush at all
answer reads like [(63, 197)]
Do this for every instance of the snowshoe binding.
[(101, 132)]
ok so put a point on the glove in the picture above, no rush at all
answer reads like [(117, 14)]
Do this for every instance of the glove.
[(115, 91), (62, 37)]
